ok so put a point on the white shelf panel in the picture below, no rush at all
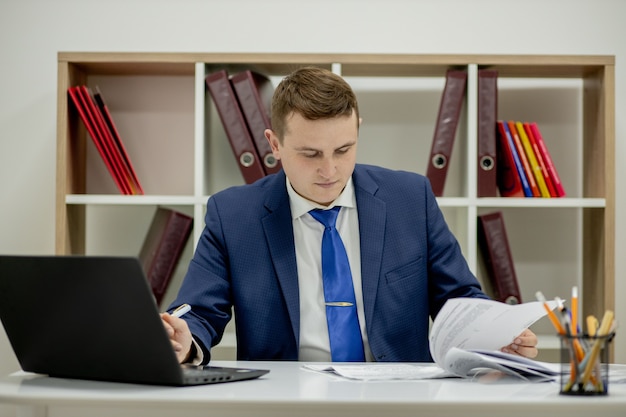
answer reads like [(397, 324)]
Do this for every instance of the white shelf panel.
[(542, 202), (462, 202), (131, 200)]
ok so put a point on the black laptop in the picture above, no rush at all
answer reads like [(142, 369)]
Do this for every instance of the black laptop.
[(93, 317)]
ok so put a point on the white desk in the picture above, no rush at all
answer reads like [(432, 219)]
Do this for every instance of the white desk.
[(290, 391)]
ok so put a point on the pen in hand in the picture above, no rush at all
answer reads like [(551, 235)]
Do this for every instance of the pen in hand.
[(182, 310)]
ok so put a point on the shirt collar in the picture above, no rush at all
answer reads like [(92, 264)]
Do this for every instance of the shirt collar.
[(300, 205)]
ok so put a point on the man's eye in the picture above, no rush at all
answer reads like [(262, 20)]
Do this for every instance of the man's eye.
[(342, 151), (310, 155)]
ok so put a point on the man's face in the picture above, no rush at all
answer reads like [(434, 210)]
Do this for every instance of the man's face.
[(318, 156)]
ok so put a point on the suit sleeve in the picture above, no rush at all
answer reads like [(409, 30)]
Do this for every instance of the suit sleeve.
[(449, 274), (206, 286)]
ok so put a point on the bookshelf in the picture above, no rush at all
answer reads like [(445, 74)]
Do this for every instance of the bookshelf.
[(182, 156)]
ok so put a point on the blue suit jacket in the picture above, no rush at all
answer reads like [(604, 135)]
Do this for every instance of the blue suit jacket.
[(410, 262)]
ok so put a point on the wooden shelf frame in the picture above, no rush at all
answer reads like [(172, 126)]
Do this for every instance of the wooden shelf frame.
[(598, 166)]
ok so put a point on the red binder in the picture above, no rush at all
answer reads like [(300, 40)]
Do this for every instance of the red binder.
[(494, 246), (162, 248), (86, 113), (554, 175), (107, 139), (445, 129), (254, 92), (116, 142), (507, 174), (235, 126)]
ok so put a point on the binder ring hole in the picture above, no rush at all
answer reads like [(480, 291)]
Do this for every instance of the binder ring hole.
[(246, 159), (270, 161), (439, 161), (486, 163), (511, 299)]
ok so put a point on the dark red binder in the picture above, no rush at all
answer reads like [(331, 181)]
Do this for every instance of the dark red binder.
[(445, 129), (494, 246), (235, 126), (162, 248), (487, 117), (254, 92)]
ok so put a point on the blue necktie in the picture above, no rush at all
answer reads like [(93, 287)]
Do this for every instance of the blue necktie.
[(341, 314)]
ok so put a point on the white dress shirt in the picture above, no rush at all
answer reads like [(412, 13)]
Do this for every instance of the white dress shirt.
[(307, 233)]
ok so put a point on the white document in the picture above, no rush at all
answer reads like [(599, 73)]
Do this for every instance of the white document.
[(469, 363), (381, 371), (465, 340), (475, 323), (468, 333)]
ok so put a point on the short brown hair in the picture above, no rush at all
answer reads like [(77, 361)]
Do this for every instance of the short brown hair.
[(314, 93)]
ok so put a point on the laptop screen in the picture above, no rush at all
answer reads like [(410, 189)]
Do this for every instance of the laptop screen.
[(86, 317)]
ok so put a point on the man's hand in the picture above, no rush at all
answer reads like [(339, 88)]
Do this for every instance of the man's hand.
[(524, 345), (179, 335)]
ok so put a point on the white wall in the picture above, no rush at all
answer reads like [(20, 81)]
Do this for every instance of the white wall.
[(33, 31)]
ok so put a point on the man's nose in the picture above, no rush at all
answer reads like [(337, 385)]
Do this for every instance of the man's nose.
[(327, 167)]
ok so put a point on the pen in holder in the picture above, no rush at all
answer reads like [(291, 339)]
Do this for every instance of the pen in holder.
[(585, 364)]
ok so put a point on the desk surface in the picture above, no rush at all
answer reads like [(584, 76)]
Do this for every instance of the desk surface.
[(291, 391)]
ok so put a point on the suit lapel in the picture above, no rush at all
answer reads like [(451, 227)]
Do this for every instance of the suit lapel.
[(372, 217), (278, 229)]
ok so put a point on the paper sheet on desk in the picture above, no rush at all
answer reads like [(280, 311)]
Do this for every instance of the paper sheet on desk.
[(472, 362), (382, 371), (474, 323)]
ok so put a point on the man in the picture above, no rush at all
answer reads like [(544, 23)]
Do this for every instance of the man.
[(260, 250)]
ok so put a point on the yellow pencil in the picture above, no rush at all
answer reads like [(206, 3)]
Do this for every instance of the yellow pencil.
[(553, 318), (592, 325), (605, 326)]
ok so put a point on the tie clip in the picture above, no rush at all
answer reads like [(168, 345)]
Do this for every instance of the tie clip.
[(339, 304)]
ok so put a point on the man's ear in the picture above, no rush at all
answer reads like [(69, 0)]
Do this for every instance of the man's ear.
[(273, 141)]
